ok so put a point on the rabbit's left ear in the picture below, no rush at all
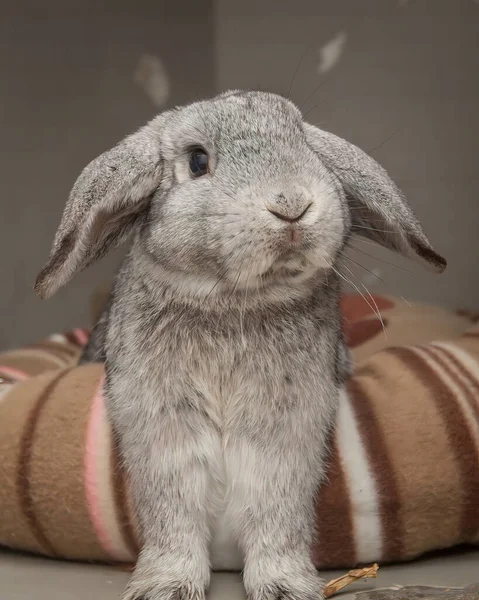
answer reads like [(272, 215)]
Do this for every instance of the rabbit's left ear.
[(379, 211), (105, 204)]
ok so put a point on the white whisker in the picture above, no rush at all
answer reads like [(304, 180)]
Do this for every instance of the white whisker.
[(376, 310)]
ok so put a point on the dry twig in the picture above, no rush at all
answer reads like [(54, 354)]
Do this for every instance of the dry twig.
[(335, 585)]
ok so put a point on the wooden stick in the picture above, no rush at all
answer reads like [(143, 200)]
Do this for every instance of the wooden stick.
[(335, 585)]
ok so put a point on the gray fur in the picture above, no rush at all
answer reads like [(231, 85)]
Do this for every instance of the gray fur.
[(95, 349), (378, 206), (223, 344)]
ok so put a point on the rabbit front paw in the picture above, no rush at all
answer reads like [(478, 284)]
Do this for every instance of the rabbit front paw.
[(160, 576), (284, 590), (152, 590), (284, 584)]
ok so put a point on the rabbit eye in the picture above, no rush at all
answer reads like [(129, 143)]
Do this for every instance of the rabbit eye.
[(198, 162)]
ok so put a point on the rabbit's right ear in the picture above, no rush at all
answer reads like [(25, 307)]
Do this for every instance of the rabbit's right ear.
[(378, 209), (104, 204)]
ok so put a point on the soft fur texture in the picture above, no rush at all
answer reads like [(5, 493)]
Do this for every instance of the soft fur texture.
[(403, 470), (223, 346)]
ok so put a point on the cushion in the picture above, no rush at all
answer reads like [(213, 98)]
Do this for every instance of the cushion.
[(403, 477)]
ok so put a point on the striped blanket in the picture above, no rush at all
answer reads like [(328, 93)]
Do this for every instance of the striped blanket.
[(404, 468)]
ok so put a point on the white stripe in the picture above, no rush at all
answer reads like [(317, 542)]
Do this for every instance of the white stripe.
[(469, 364), (455, 389), (58, 338), (361, 484), (4, 389)]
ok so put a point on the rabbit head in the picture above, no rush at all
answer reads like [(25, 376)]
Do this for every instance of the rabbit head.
[(237, 190)]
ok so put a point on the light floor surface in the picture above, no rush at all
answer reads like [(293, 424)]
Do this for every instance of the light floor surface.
[(30, 578)]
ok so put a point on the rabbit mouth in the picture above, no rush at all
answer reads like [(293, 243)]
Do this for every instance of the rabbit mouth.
[(282, 273), (288, 265)]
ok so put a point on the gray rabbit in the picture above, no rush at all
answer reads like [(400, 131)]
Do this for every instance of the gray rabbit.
[(222, 339)]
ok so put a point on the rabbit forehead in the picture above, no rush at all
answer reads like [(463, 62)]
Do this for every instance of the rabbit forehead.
[(255, 117), (249, 109), (244, 109)]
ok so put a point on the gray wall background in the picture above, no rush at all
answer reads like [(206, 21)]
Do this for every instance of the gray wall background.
[(67, 93)]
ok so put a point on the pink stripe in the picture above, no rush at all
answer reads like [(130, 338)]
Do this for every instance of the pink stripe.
[(81, 335), (13, 373), (91, 475)]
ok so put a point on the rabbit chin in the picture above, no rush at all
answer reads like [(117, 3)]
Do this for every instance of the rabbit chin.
[(278, 275), (289, 268)]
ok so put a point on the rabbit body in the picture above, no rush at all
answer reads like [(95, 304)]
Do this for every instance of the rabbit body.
[(222, 338), (223, 414)]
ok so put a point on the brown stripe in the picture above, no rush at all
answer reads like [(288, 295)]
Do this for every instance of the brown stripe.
[(119, 484), (63, 508), (63, 351), (469, 314), (460, 438), (334, 545), (441, 355), (472, 334), (24, 466), (382, 470)]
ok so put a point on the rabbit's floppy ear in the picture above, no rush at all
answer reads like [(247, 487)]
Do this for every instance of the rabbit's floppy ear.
[(378, 209), (105, 202)]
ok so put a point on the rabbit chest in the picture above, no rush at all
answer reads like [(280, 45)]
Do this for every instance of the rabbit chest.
[(239, 370), (248, 380), (226, 387)]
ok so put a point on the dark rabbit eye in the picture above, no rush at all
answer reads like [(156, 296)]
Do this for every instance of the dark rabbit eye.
[(198, 162)]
